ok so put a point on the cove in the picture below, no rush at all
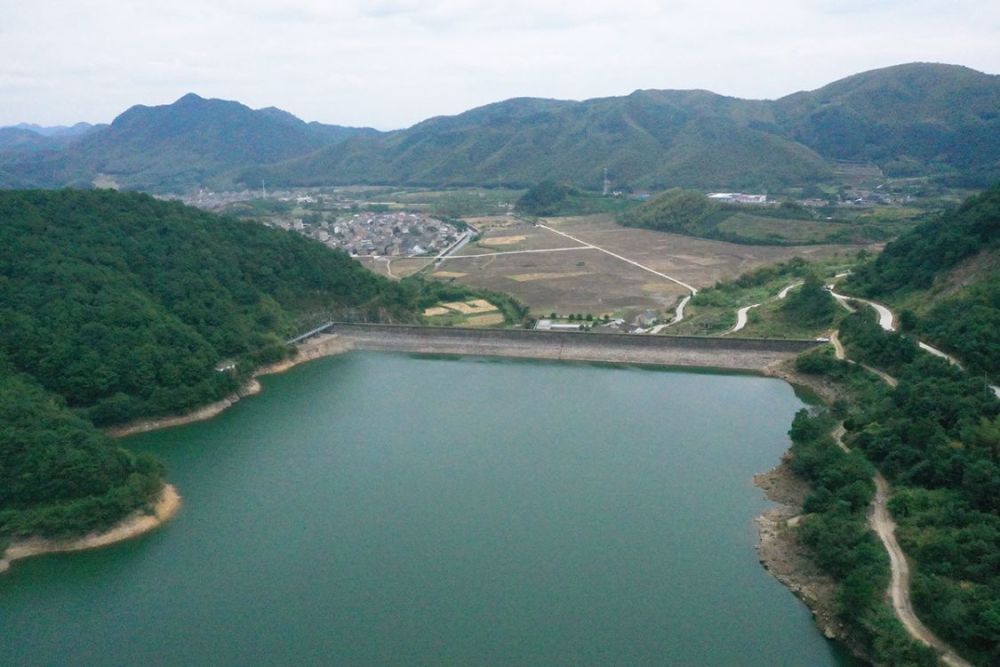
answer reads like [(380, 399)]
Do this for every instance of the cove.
[(384, 509)]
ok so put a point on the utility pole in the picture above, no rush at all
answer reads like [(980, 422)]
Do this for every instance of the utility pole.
[(607, 183), (263, 191)]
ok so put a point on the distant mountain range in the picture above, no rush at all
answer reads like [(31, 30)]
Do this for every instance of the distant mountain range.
[(916, 119)]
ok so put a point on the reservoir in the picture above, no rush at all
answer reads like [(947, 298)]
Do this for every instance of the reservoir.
[(385, 509)]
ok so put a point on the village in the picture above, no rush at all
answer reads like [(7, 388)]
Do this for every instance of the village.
[(387, 234)]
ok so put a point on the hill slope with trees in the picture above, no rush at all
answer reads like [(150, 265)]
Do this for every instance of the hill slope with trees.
[(945, 274), (118, 306)]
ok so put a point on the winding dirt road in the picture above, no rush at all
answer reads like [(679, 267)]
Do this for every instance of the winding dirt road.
[(880, 521)]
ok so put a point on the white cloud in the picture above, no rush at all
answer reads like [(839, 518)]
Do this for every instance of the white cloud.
[(390, 63)]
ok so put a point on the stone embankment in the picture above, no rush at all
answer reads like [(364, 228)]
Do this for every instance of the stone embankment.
[(731, 353)]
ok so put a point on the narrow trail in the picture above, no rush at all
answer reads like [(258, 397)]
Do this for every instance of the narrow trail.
[(880, 520)]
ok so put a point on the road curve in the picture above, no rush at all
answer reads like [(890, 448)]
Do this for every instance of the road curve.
[(885, 318), (741, 318), (742, 313)]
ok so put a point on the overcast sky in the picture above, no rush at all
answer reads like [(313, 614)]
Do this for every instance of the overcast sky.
[(391, 63)]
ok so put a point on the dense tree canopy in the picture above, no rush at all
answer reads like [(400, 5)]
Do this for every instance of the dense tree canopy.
[(117, 306)]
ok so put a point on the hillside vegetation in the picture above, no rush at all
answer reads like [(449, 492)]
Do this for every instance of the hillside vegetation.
[(691, 213), (960, 313), (119, 306)]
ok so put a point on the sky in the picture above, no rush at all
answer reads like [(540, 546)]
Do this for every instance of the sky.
[(391, 63)]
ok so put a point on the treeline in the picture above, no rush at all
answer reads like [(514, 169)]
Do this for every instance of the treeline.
[(967, 321), (936, 437), (549, 198)]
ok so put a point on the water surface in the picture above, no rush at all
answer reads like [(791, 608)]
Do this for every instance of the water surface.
[(376, 509)]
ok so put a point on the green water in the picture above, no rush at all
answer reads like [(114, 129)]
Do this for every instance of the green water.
[(376, 509)]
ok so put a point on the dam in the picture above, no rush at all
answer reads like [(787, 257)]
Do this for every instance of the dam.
[(748, 354)]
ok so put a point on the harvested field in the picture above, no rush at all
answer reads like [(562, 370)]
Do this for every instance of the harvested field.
[(490, 320), (528, 237), (472, 307), (435, 311), (577, 279), (528, 277), (502, 240)]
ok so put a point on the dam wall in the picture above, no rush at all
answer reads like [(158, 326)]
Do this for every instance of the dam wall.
[(733, 353)]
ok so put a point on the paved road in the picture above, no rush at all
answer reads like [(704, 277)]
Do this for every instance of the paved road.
[(741, 318)]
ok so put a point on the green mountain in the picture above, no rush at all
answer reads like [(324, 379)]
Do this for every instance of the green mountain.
[(910, 119), (915, 119), (906, 119), (119, 306), (649, 139), (192, 142)]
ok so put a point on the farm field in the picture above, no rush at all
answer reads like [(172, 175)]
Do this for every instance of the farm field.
[(578, 279), (585, 280)]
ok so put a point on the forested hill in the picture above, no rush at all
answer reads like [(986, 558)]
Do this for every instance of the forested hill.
[(124, 304), (171, 147), (945, 273), (116, 306)]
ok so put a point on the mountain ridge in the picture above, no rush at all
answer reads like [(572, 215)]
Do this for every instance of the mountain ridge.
[(911, 119)]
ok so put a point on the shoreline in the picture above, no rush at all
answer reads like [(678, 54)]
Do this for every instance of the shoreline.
[(136, 524), (322, 346), (778, 550)]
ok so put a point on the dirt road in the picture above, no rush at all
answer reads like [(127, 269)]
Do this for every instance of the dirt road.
[(880, 521)]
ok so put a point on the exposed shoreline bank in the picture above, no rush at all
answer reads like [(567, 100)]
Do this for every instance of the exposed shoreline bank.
[(136, 524), (778, 550)]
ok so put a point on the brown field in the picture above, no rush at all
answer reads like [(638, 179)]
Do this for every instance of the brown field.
[(484, 320), (589, 281), (527, 277), (527, 238), (471, 308), (503, 240), (435, 311)]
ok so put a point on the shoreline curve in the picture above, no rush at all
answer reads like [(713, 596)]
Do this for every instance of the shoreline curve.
[(134, 525)]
